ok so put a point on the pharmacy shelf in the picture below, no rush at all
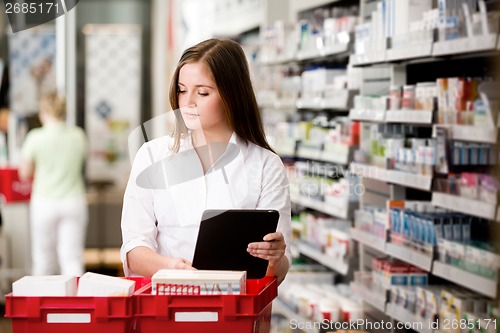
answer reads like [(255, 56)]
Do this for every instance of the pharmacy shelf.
[(367, 59), (338, 103), (420, 182), (409, 116), (368, 239), (480, 134), (465, 45), (367, 115), (464, 205), (335, 153), (341, 209), (479, 284), (375, 299), (410, 255), (315, 54), (413, 50), (285, 147), (238, 24), (369, 171), (401, 314), (300, 5), (328, 261), (280, 104), (280, 307)]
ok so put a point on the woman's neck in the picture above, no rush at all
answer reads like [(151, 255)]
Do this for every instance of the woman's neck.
[(201, 138)]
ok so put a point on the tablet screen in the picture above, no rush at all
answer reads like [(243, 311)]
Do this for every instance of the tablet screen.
[(224, 236)]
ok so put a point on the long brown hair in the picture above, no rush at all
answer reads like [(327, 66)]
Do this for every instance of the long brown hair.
[(229, 68)]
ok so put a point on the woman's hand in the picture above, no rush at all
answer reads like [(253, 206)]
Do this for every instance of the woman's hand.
[(271, 249), (179, 263)]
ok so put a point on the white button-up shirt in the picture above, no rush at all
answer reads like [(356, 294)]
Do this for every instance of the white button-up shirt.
[(167, 193)]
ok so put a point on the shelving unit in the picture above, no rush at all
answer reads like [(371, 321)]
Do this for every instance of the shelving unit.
[(465, 205), (428, 52), (280, 307), (402, 315), (368, 239), (327, 261), (406, 254), (465, 279), (480, 134), (341, 209), (409, 116), (375, 299), (384, 183), (367, 115), (421, 182)]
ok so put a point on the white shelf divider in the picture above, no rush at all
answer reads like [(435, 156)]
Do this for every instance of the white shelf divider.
[(339, 102), (471, 133), (252, 19), (409, 116), (466, 279), (367, 115), (280, 307), (309, 153), (340, 210), (465, 45), (409, 255), (375, 299), (417, 181), (414, 50), (397, 177), (401, 314), (300, 5), (328, 261), (368, 58), (324, 52), (464, 205), (368, 239)]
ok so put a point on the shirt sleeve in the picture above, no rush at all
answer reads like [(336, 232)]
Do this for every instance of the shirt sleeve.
[(29, 146), (138, 222), (275, 194)]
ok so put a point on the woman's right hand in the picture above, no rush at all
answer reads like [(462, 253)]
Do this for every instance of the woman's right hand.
[(179, 263)]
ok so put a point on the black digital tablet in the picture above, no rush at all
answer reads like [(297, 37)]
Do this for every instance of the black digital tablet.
[(224, 236)]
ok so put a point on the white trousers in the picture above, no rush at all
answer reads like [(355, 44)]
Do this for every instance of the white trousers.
[(58, 231)]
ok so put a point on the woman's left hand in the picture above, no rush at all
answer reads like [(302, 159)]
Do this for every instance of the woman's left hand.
[(271, 249)]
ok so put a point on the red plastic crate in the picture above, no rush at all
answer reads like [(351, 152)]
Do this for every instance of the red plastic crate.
[(85, 314), (12, 188), (247, 313)]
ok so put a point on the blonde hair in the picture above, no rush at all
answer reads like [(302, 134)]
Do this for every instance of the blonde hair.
[(54, 105)]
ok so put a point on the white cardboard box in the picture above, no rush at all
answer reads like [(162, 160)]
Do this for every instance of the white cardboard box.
[(48, 285)]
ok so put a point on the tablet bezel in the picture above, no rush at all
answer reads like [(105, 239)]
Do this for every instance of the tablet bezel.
[(224, 235)]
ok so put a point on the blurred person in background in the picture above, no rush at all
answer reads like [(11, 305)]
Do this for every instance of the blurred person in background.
[(54, 156)]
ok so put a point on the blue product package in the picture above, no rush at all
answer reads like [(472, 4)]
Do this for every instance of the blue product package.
[(429, 231), (394, 220), (466, 226), (406, 226), (457, 228), (447, 233), (438, 229)]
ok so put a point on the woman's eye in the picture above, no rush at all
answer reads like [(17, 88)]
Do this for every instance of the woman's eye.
[(181, 91), (203, 94)]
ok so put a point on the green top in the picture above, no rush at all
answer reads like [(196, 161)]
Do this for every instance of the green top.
[(58, 152)]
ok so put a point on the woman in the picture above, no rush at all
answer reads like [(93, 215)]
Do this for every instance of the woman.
[(54, 154), (217, 158)]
